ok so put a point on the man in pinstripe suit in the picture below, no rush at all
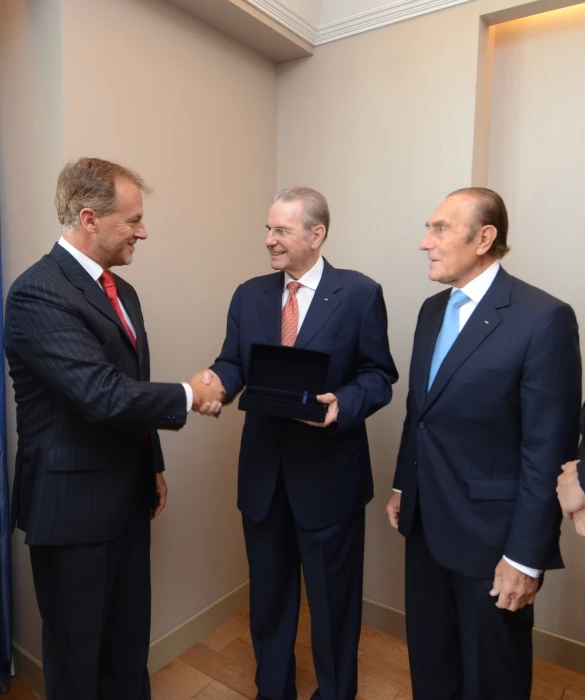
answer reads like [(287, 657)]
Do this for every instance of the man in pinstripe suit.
[(89, 463)]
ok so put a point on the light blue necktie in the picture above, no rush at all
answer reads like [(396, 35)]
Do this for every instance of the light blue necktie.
[(449, 332)]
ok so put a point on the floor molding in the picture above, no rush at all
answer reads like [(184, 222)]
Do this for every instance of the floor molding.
[(559, 650), (28, 669), (177, 641), (547, 646), (162, 651), (384, 619)]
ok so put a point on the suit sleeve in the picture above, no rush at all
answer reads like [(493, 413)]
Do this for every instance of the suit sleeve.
[(581, 453), (52, 339), (550, 399), (403, 461), (376, 372), (228, 366)]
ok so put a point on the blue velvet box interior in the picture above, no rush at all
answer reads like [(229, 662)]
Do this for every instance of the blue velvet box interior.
[(285, 382)]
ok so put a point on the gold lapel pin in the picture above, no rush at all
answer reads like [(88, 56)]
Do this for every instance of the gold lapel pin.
[(326, 299), (486, 322)]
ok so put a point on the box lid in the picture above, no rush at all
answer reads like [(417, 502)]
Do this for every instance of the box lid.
[(282, 368)]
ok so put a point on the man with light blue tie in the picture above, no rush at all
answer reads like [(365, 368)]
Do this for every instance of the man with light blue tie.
[(492, 414)]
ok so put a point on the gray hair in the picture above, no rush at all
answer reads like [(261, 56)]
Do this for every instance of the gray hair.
[(315, 207)]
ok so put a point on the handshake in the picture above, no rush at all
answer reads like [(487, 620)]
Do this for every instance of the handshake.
[(208, 393)]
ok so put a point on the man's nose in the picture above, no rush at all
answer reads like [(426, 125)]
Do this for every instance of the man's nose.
[(425, 243)]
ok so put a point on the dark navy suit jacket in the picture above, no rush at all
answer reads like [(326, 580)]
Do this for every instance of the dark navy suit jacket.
[(83, 403), (482, 450), (326, 470)]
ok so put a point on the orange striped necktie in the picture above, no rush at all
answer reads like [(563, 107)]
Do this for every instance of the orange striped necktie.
[(109, 285), (290, 315)]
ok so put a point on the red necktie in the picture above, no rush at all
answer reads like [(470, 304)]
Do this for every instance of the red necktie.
[(109, 285), (290, 315)]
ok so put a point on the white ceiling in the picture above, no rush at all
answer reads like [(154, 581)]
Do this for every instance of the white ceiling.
[(310, 9), (325, 11), (335, 10), (321, 21)]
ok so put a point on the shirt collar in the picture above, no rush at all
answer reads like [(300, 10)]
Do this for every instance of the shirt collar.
[(93, 269), (311, 278), (477, 288)]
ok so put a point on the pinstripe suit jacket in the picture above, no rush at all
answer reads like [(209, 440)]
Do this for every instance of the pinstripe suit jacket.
[(83, 402)]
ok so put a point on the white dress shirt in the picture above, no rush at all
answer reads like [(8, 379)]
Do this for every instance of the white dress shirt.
[(476, 290), (310, 281), (94, 270)]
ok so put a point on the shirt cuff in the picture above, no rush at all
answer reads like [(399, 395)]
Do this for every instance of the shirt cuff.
[(397, 490), (534, 573), (188, 396)]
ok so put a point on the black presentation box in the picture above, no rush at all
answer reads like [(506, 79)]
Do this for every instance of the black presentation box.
[(285, 382)]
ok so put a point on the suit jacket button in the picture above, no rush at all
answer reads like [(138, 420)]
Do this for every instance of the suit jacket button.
[(415, 463), (422, 425)]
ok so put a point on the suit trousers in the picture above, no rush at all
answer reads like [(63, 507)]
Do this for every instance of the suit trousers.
[(461, 646), (94, 601), (332, 560)]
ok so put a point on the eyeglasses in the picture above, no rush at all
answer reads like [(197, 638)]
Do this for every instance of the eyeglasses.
[(278, 232)]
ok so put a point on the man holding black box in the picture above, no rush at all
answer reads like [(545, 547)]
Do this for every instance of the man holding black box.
[(304, 484)]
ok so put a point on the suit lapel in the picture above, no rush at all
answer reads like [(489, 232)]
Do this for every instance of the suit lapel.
[(92, 291), (323, 305), (270, 307), (429, 333), (128, 302), (482, 323)]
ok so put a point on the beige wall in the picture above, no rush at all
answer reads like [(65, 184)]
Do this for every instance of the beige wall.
[(31, 154), (537, 159), (383, 123), (195, 114)]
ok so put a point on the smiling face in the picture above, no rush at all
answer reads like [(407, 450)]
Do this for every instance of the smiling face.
[(115, 234), (292, 248), (457, 248)]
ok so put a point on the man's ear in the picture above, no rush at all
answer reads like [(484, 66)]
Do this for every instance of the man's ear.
[(486, 239), (89, 219), (317, 236)]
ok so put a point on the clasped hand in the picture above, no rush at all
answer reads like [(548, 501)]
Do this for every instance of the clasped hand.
[(513, 588), (571, 496), (330, 400), (208, 393)]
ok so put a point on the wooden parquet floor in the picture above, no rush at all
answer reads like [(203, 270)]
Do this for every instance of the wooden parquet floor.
[(221, 667), (19, 691)]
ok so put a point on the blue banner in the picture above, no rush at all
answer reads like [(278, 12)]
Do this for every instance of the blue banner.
[(5, 576)]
